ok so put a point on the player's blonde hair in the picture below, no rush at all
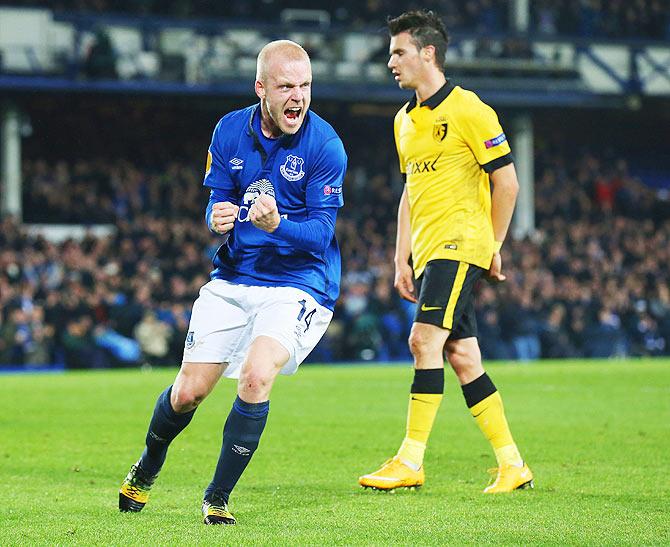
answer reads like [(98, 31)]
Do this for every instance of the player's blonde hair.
[(286, 49)]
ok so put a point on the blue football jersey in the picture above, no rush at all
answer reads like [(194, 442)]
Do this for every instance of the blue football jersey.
[(304, 172)]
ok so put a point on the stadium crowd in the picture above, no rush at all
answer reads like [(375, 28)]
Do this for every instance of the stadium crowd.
[(595, 18), (591, 281), (587, 18)]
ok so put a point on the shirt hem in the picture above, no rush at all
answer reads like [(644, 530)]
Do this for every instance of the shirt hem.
[(253, 282)]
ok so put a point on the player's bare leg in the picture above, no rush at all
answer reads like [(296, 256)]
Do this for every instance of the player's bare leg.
[(405, 469), (265, 359), (173, 412), (244, 425), (486, 407), (194, 382)]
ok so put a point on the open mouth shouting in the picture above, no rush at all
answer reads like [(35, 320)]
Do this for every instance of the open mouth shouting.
[(292, 114)]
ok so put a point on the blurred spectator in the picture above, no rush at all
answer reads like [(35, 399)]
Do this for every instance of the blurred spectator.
[(648, 338), (39, 348), (9, 328), (100, 60), (154, 338), (605, 336), (492, 343), (522, 326), (79, 347), (516, 48), (555, 341), (390, 322)]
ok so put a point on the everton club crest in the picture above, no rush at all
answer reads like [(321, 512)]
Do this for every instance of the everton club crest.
[(439, 131), (292, 170)]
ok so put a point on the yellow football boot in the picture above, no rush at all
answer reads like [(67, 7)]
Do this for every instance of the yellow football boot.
[(134, 491), (216, 513), (509, 478), (393, 474)]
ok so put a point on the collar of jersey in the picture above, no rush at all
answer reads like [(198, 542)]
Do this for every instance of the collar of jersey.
[(434, 100), (284, 139)]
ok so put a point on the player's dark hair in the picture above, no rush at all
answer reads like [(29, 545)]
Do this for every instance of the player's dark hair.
[(426, 29)]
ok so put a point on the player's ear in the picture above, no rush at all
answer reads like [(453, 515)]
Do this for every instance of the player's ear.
[(428, 53), (260, 89)]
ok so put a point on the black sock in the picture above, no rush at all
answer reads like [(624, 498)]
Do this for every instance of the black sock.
[(429, 380), (479, 389), (165, 425), (241, 436)]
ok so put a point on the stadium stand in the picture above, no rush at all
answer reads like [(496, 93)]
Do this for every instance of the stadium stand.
[(590, 280), (615, 19), (484, 14), (619, 19)]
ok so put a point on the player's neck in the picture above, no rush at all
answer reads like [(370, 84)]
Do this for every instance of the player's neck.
[(429, 86), (268, 128)]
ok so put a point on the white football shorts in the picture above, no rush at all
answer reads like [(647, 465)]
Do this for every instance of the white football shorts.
[(227, 318)]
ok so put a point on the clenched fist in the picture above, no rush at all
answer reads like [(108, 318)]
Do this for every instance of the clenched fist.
[(223, 218), (264, 213)]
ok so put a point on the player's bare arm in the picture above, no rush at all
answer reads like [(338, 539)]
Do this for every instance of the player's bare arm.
[(223, 218), (503, 199), (264, 213), (404, 276)]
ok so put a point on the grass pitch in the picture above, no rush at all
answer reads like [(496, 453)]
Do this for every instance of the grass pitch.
[(596, 435)]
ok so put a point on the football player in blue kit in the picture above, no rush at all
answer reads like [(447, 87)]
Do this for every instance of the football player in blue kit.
[(275, 171)]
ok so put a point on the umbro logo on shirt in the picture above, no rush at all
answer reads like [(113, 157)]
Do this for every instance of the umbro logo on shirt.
[(236, 164)]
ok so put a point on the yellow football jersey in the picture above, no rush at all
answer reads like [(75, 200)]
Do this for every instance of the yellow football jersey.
[(447, 146)]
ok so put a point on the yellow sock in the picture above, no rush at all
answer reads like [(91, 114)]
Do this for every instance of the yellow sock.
[(420, 418), (490, 417)]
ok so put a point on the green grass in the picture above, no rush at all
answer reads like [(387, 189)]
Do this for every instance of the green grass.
[(596, 435)]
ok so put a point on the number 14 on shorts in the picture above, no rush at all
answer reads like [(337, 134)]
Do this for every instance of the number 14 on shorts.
[(304, 315)]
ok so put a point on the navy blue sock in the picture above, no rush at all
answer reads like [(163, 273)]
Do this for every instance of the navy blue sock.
[(165, 425), (241, 436)]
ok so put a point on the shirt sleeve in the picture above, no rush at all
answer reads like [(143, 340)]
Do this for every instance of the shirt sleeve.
[(216, 170), (314, 234), (324, 187), (485, 137)]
